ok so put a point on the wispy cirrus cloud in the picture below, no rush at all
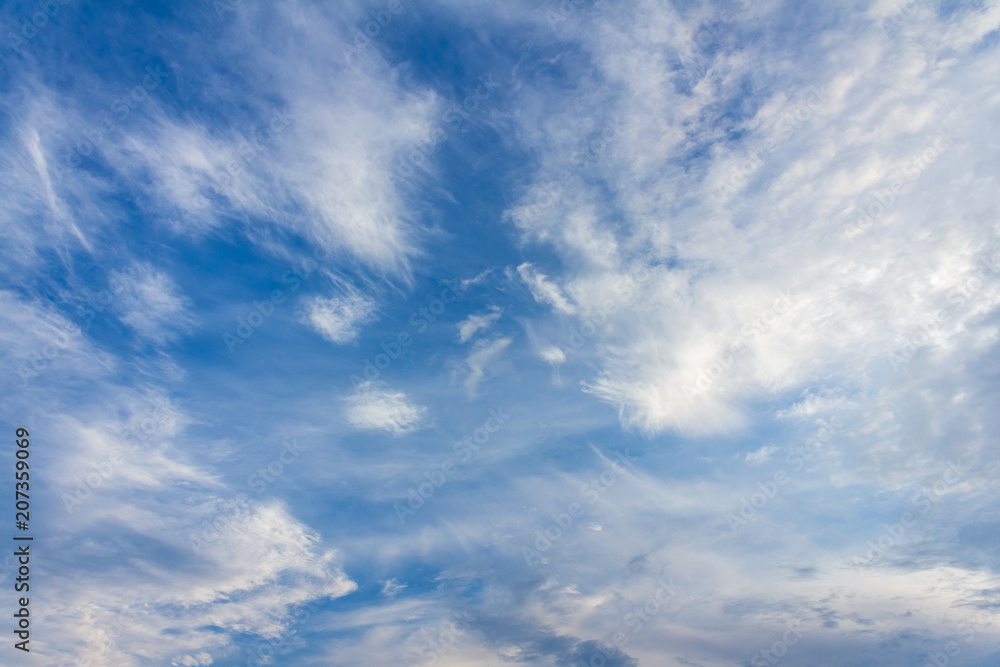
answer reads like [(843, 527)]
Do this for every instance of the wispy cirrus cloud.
[(809, 355), (543, 289), (484, 353), (375, 408), (473, 324), (149, 302), (338, 319)]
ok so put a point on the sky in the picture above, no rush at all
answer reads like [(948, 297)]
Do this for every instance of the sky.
[(467, 333)]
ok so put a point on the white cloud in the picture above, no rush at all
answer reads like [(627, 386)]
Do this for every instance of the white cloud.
[(376, 409), (44, 211), (553, 355), (338, 318), (335, 158), (262, 564), (483, 355), (128, 480), (148, 301), (473, 324), (477, 279), (761, 455), (727, 229), (37, 340), (543, 289), (660, 193), (325, 141), (391, 588)]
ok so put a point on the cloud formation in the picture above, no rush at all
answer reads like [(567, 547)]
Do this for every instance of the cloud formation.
[(374, 408), (753, 249), (338, 319)]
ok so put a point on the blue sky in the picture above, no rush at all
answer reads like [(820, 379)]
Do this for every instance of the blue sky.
[(477, 333)]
